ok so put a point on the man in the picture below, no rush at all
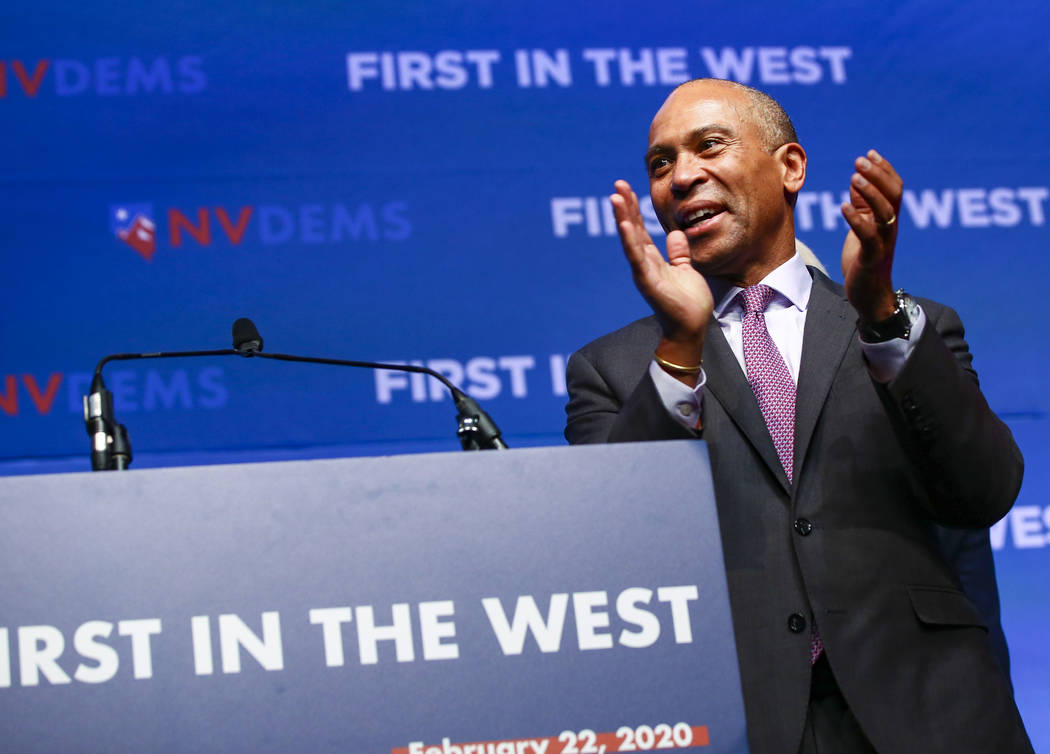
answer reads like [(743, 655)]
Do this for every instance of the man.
[(833, 455)]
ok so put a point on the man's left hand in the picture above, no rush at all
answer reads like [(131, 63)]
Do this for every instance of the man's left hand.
[(867, 255)]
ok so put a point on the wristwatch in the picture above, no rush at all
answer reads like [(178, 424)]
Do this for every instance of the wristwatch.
[(897, 325)]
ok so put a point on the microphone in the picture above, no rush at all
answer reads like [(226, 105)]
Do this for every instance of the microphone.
[(111, 447), (246, 338), (110, 444), (476, 429)]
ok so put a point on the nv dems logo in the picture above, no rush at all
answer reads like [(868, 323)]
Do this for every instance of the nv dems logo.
[(104, 77), (137, 225)]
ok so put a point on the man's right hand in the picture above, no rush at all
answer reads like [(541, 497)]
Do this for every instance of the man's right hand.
[(676, 291)]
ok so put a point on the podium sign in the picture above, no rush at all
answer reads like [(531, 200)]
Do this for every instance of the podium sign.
[(544, 600)]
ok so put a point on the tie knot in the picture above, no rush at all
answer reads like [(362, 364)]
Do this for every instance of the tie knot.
[(757, 298)]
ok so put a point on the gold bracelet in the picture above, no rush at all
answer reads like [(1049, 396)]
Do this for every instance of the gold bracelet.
[(677, 368)]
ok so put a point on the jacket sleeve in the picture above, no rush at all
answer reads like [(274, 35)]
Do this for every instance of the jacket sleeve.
[(603, 408), (967, 457)]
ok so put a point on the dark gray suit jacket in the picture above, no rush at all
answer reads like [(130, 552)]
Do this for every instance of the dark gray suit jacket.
[(851, 542)]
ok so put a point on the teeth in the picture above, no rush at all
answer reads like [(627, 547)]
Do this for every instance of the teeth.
[(701, 215)]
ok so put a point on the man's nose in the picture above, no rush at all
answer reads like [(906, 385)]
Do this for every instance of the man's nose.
[(688, 171)]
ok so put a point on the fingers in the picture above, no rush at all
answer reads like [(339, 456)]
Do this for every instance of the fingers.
[(630, 199), (880, 205), (621, 202), (878, 184), (637, 245), (868, 231), (880, 172), (875, 199)]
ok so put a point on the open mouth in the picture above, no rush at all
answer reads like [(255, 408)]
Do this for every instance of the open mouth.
[(699, 217)]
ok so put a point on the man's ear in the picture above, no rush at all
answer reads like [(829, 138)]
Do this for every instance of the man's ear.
[(792, 159)]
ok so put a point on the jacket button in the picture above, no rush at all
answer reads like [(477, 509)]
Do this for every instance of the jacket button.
[(803, 526), (796, 623)]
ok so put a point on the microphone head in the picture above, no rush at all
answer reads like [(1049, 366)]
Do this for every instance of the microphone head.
[(246, 337)]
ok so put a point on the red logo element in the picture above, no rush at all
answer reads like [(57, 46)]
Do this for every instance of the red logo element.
[(134, 225), (141, 236)]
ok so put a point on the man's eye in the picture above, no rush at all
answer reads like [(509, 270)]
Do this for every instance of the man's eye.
[(708, 144), (657, 164)]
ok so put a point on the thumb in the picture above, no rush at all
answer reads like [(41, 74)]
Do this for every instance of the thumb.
[(678, 249), (850, 249)]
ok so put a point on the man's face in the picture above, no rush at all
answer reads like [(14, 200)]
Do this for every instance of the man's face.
[(711, 177)]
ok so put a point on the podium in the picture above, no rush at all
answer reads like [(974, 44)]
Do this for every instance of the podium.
[(541, 600)]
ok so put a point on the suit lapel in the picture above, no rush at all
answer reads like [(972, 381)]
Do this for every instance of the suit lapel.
[(727, 383), (830, 329)]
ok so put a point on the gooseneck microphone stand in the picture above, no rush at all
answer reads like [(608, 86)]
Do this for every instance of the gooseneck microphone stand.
[(110, 445), (111, 448)]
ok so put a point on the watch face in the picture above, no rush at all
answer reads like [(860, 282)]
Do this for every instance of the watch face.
[(898, 327), (911, 306)]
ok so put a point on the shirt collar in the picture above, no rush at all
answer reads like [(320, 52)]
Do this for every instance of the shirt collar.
[(791, 280)]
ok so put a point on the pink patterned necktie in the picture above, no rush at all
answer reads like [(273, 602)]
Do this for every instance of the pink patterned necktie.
[(771, 382), (768, 375)]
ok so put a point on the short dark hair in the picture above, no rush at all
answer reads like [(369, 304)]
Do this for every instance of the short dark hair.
[(770, 117)]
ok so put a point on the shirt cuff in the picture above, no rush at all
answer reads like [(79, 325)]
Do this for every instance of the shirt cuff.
[(682, 402), (886, 360)]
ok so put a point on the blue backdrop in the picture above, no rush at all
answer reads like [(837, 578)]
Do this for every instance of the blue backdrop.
[(424, 181)]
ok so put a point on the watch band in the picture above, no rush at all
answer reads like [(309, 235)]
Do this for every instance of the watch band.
[(897, 325)]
